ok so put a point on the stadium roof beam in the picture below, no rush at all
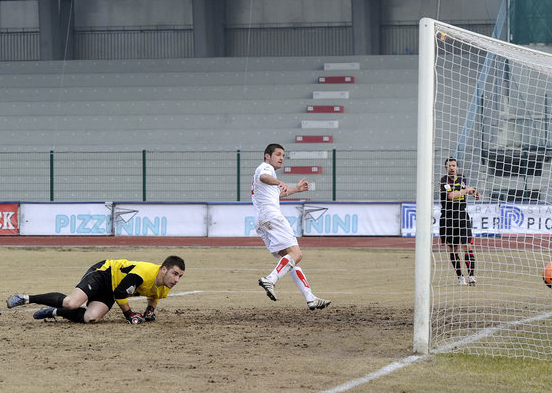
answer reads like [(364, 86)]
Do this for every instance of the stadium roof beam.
[(56, 29), (209, 18), (366, 17)]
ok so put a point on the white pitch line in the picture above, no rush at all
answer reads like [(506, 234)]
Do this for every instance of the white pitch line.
[(130, 298), (380, 373), (26, 309), (446, 348), (178, 294), (240, 269), (234, 291), (187, 293)]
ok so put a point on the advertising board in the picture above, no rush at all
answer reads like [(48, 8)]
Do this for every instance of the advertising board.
[(9, 220)]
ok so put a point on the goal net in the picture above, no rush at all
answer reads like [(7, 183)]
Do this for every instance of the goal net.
[(487, 104)]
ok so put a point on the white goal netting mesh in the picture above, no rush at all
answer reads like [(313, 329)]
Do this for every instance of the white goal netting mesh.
[(492, 108)]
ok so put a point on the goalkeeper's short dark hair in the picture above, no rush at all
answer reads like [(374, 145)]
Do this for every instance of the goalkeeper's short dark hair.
[(173, 260), (450, 159)]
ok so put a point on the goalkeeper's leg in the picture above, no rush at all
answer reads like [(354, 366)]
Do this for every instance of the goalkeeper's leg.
[(52, 299), (455, 260), (93, 313), (457, 264), (469, 259), (76, 315)]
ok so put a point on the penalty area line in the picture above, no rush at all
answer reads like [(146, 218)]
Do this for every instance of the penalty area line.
[(446, 348)]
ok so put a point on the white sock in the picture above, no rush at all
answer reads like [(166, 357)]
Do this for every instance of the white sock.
[(301, 281), (285, 264)]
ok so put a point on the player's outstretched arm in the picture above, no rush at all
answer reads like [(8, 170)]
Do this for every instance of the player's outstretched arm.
[(302, 185), (270, 180)]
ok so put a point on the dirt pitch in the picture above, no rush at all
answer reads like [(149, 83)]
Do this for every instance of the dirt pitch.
[(219, 332)]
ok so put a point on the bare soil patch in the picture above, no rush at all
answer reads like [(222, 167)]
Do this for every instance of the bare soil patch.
[(219, 332)]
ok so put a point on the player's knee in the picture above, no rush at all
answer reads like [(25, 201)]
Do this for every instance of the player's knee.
[(71, 303), (92, 317), (90, 320), (297, 256)]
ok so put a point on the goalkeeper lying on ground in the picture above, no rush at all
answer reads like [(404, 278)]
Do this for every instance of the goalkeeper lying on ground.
[(108, 282)]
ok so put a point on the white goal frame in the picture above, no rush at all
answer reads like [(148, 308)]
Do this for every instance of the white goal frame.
[(424, 187), (425, 178)]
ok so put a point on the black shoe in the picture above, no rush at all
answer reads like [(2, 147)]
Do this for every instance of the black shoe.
[(44, 313)]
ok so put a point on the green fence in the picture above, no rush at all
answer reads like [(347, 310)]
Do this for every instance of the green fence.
[(193, 176)]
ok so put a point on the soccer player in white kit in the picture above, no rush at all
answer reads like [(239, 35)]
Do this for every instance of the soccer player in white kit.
[(275, 229)]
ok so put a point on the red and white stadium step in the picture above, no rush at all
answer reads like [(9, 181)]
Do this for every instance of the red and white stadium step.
[(335, 79), (325, 109), (313, 139), (302, 170)]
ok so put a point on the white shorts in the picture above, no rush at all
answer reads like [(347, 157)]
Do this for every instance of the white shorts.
[(277, 234)]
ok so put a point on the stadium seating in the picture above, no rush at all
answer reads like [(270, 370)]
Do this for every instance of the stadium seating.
[(212, 104), (175, 104)]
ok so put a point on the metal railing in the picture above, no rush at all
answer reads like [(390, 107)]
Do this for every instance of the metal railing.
[(184, 176)]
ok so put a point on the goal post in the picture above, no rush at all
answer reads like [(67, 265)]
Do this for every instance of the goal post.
[(424, 184), (487, 104)]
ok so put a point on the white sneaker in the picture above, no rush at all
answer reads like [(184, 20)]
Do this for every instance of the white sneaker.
[(318, 303), (462, 280), (17, 300), (268, 287), (471, 280)]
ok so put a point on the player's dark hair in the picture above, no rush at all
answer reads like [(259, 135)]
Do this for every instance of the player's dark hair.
[(270, 148), (450, 159), (173, 260)]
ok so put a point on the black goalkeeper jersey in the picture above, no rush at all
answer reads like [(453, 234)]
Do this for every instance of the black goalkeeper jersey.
[(450, 207)]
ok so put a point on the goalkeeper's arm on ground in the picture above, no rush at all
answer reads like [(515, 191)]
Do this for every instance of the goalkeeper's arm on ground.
[(149, 314), (126, 288)]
